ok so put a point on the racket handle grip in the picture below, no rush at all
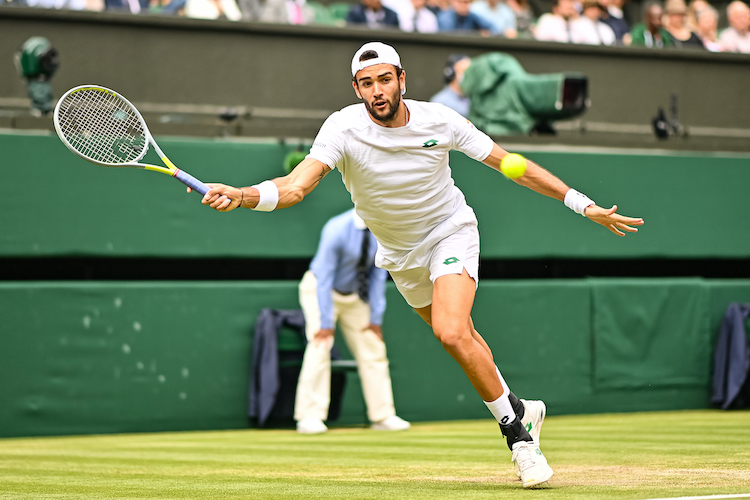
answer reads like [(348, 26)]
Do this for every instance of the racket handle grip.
[(191, 182)]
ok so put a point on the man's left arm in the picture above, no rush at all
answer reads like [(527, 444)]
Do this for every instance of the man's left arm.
[(544, 182)]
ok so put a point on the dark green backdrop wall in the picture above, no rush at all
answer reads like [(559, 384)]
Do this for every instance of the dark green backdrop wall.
[(695, 205), (125, 357)]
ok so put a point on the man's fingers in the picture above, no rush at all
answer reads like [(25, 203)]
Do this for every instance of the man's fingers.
[(625, 227), (614, 229), (221, 202), (210, 198), (625, 219), (628, 220)]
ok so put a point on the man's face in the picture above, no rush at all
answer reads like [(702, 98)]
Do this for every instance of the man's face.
[(592, 12), (380, 90), (461, 7), (707, 21), (418, 4), (677, 19), (372, 4), (653, 18), (566, 8), (739, 17)]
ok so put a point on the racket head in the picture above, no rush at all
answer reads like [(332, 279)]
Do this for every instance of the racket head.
[(101, 126)]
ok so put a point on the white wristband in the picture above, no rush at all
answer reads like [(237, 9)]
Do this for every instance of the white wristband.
[(269, 196), (577, 202)]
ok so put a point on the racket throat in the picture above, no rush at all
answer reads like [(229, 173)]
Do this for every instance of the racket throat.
[(170, 165)]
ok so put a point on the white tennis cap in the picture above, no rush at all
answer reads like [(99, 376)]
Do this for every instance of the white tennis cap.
[(385, 55)]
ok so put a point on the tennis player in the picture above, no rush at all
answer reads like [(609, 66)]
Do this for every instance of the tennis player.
[(393, 157)]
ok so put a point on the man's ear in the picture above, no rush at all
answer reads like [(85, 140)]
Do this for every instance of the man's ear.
[(356, 89)]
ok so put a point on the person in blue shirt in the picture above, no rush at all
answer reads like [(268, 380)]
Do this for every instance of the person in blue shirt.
[(451, 95), (373, 14), (343, 286), (499, 14), (460, 18)]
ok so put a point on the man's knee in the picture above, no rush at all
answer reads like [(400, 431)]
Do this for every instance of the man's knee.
[(452, 335)]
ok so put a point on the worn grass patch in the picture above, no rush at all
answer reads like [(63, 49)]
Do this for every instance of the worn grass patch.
[(619, 456)]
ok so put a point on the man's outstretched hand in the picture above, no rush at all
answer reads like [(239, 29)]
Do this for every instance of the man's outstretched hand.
[(221, 197), (613, 221)]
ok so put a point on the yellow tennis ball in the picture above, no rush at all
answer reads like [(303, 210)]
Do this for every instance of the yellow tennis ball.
[(513, 166)]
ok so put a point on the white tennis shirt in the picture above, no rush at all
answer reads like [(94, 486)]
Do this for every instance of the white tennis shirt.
[(399, 178)]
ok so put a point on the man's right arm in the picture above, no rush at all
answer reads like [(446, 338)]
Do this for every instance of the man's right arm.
[(292, 188)]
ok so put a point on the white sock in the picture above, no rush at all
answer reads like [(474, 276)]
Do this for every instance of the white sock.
[(506, 390), (501, 408)]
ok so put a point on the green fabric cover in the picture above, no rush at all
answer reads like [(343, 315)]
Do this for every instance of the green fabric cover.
[(650, 336), (505, 100)]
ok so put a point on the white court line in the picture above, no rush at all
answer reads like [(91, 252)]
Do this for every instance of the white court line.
[(709, 497)]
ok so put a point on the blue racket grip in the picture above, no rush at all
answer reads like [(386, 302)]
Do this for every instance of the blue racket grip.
[(191, 182)]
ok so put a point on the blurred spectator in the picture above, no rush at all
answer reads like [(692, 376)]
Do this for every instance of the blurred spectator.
[(677, 25), (250, 9), (692, 13), (555, 26), (452, 95), (618, 24), (437, 6), (708, 19), (589, 29), (413, 15), (55, 4), (170, 7), (132, 6), (460, 18), (651, 33), (524, 18), (212, 9), (614, 7), (372, 14), (287, 12), (499, 14), (736, 38)]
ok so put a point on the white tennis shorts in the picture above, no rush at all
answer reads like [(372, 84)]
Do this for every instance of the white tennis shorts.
[(451, 255)]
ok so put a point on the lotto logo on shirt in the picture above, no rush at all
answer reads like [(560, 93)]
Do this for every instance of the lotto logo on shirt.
[(319, 144)]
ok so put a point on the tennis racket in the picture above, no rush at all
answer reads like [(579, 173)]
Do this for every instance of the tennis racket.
[(103, 127)]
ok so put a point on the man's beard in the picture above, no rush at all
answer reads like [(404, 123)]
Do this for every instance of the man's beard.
[(389, 112)]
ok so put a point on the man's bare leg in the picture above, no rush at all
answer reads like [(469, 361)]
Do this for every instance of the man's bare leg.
[(450, 318)]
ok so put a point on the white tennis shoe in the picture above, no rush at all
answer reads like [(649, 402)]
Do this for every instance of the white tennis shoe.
[(531, 463), (533, 417), (311, 426), (392, 423)]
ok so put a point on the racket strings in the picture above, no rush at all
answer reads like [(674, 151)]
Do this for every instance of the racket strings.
[(102, 127)]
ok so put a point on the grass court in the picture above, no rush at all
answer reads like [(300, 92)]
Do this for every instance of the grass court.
[(606, 456)]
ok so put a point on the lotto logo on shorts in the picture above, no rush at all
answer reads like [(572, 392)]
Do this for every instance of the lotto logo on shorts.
[(450, 260)]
